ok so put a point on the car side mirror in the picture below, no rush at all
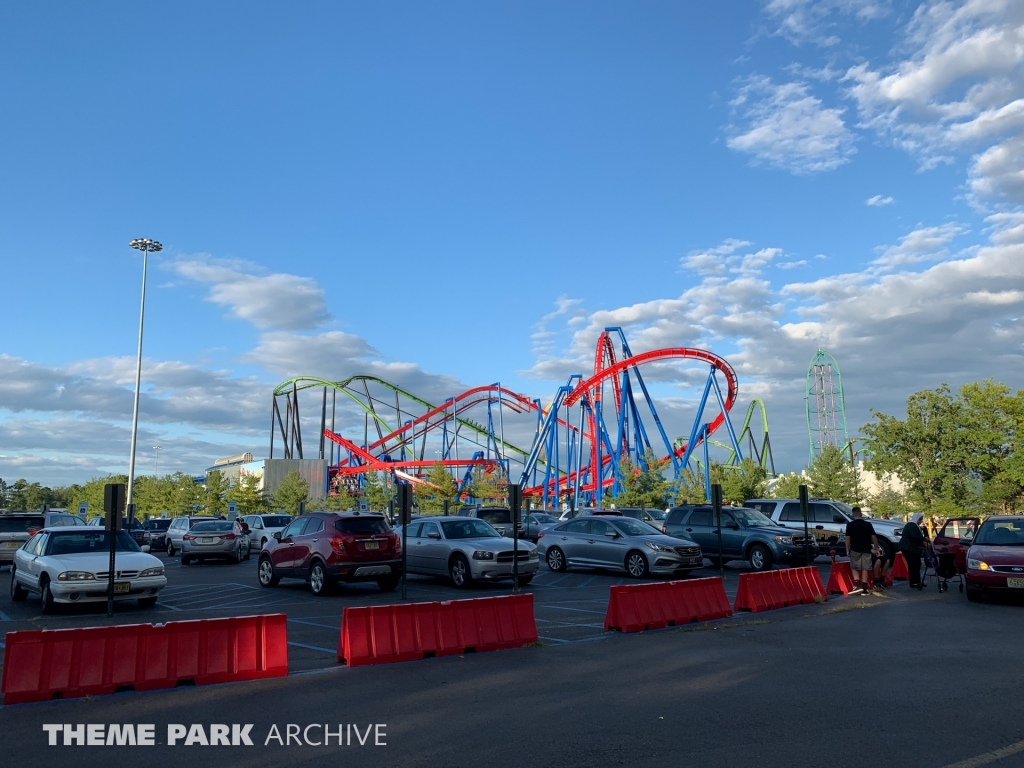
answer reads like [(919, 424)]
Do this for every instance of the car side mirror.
[(612, 535), (277, 535), (838, 519), (145, 547), (434, 535)]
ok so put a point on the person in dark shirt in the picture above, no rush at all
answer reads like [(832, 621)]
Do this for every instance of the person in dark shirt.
[(912, 545), (860, 543)]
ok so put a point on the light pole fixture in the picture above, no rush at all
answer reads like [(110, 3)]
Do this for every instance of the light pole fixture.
[(147, 247), (156, 471)]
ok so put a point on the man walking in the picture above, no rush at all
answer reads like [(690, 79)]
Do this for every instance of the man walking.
[(860, 543), (912, 546)]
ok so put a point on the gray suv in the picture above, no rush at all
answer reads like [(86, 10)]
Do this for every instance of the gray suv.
[(746, 535), (499, 518), (826, 521)]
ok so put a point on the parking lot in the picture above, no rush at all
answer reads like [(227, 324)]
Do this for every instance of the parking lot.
[(569, 607)]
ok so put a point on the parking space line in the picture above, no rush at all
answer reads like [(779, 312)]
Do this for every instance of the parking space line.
[(314, 624), (560, 578), (168, 607), (989, 757), (553, 639), (587, 581), (212, 597), (332, 651), (5, 617), (567, 608)]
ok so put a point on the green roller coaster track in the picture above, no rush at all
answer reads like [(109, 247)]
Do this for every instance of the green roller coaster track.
[(764, 456), (309, 382)]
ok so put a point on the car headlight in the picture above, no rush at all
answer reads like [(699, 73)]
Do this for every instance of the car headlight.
[(977, 565), (533, 554), (158, 571), (483, 555), (784, 539), (76, 576), (658, 547)]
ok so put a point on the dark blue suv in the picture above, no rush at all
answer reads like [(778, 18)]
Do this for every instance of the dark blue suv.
[(746, 535)]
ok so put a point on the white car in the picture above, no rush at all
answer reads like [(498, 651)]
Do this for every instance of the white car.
[(263, 527), (71, 565)]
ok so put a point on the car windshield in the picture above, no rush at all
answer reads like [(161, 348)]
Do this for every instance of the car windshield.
[(631, 527), (20, 524), (657, 514), (844, 507), (495, 515), (1001, 533), (276, 521), (751, 518), (468, 529), (368, 525), (213, 527), (161, 524), (543, 518), (88, 542)]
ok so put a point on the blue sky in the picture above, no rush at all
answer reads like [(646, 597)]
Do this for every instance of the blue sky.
[(413, 190)]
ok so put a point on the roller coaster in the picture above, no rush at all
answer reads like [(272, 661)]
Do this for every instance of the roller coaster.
[(573, 450)]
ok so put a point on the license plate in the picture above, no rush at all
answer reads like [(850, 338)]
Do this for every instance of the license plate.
[(122, 587), (12, 544), (1015, 583), (371, 545), (207, 540)]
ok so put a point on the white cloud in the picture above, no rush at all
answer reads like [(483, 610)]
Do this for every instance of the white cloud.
[(959, 89), (792, 264), (893, 333), (278, 300), (802, 21), (923, 244), (784, 126), (877, 201)]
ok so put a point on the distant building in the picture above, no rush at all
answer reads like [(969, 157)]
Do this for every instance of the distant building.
[(230, 466), (271, 472)]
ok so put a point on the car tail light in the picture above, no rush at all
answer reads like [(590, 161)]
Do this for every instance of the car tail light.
[(188, 537), (229, 536), (33, 531), (337, 545), (540, 536)]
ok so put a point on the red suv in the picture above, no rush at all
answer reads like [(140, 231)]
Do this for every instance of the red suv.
[(325, 547)]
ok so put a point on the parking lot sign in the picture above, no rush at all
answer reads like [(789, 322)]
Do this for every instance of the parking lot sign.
[(232, 510), (83, 509)]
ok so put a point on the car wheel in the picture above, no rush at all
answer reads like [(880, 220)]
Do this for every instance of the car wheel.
[(45, 596), (887, 549), (18, 592), (636, 565), (556, 560), (319, 582), (248, 550), (388, 583), (263, 543), (147, 602), (459, 572), (170, 549), (761, 558), (237, 557), (265, 573)]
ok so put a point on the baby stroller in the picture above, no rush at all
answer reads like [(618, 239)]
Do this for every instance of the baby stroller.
[(930, 568), (950, 548)]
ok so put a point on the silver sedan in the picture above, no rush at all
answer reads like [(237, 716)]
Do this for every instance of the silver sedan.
[(215, 538), (466, 549), (619, 543)]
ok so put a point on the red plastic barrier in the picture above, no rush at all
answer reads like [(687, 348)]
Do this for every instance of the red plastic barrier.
[(636, 607), (840, 580), (40, 665), (387, 633), (899, 568), (768, 590)]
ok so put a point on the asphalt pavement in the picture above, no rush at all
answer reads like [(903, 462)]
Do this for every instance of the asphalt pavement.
[(915, 679)]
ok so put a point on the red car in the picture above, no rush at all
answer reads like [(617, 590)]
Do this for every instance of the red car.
[(995, 561), (325, 548), (955, 539)]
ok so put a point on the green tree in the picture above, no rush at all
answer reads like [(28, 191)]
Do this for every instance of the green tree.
[(954, 451), (490, 488), (890, 503), (787, 486), (440, 488), (642, 483), (339, 501), (247, 496), (377, 490), (831, 476), (748, 480), (216, 494), (688, 487), (290, 493)]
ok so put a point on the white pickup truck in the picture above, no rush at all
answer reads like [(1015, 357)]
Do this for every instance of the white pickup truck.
[(826, 521)]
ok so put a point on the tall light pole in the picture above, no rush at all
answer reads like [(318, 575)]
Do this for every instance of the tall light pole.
[(156, 472), (147, 247)]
